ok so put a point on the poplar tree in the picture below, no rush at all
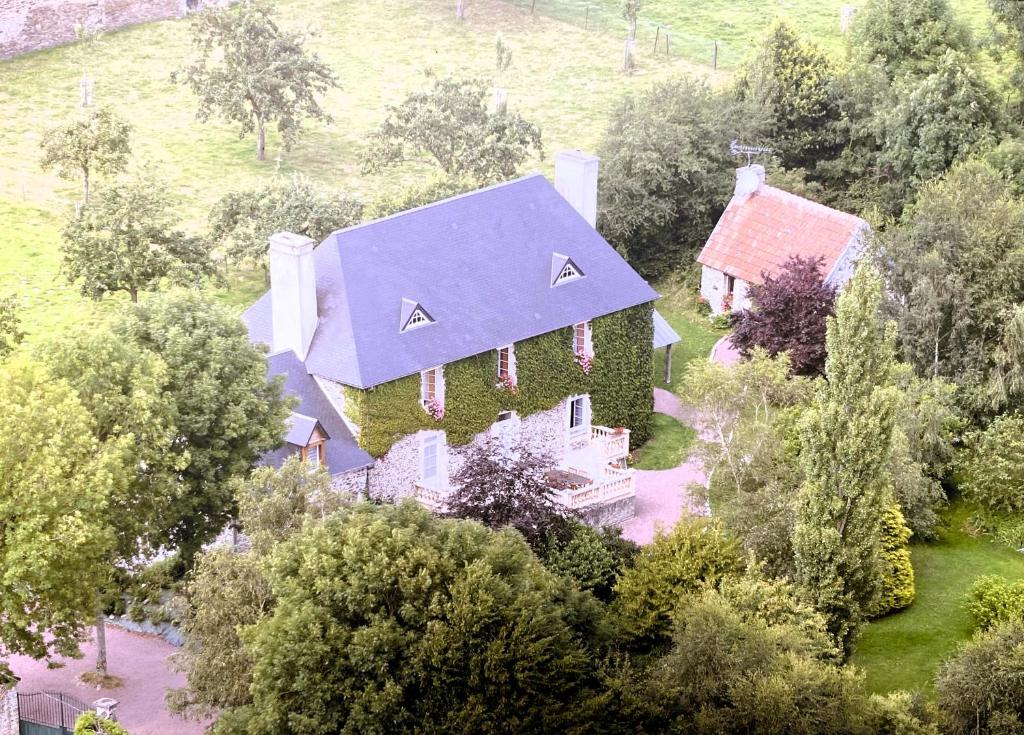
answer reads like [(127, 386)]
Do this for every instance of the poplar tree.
[(846, 440)]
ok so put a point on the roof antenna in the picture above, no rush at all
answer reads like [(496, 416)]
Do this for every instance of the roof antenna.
[(749, 151)]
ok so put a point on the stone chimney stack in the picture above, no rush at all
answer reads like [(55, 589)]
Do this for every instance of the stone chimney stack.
[(576, 180), (749, 179), (292, 292)]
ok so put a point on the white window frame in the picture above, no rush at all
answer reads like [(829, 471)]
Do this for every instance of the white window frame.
[(584, 426), (568, 273), (730, 284), (587, 345), (511, 362), (438, 373), (433, 446)]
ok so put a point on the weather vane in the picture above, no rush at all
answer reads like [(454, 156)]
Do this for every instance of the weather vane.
[(748, 150)]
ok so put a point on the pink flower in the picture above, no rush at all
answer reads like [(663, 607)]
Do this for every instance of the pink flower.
[(508, 383), (435, 408), (585, 361)]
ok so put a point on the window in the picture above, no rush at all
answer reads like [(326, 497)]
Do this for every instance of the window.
[(432, 459), (569, 272), (730, 283), (313, 454), (577, 414), (507, 364), (582, 343), (417, 319)]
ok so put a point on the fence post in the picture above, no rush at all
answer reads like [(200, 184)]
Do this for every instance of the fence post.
[(657, 34), (586, 18), (714, 58)]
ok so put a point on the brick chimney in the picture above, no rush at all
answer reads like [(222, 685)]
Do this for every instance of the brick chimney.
[(576, 181), (749, 179), (292, 292)]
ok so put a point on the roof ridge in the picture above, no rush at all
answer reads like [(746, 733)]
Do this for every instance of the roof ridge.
[(404, 212)]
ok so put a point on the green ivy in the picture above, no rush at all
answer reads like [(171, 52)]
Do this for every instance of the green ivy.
[(619, 385)]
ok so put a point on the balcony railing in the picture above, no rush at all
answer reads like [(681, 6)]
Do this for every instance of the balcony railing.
[(614, 484), (614, 443), (433, 498)]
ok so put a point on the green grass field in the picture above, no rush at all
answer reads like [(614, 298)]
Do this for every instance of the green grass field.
[(562, 78), (667, 447), (904, 650), (679, 307)]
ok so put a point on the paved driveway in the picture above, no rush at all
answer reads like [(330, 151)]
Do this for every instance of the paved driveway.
[(141, 663)]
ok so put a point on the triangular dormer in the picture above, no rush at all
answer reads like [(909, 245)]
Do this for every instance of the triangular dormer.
[(413, 316), (563, 269)]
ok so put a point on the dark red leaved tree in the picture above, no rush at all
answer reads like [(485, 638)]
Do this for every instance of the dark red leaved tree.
[(788, 315)]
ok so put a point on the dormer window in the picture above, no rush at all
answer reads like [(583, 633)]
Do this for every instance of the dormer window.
[(563, 269), (313, 455), (309, 436), (413, 316)]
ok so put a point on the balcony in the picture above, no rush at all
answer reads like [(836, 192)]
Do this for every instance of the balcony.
[(612, 443), (613, 484), (433, 498)]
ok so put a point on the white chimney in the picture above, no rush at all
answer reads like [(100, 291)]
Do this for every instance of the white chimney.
[(292, 292), (749, 179), (576, 180)]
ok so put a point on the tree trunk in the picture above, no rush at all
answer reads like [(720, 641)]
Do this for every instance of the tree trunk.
[(101, 641), (85, 186), (134, 293), (261, 141)]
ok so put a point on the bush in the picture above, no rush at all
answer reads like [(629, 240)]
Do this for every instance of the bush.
[(994, 600), (995, 467), (593, 559), (696, 552), (897, 571), (981, 690), (1006, 528)]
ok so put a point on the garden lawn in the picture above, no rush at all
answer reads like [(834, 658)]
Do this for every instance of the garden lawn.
[(678, 304), (695, 25), (904, 650), (668, 446), (564, 79)]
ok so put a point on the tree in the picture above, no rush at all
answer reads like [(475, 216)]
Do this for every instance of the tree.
[(394, 620), (630, 11), (788, 315), (897, 591), (10, 326), (981, 689), (225, 413), (449, 126), (242, 221), (906, 36), (90, 723), (96, 142), (254, 73), (793, 83), (846, 438), (694, 553), (935, 121), (418, 195), (503, 488), (127, 241), (994, 470), (666, 171), (593, 558), (53, 506), (955, 270), (123, 388)]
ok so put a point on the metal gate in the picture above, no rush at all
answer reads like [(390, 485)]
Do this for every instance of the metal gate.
[(48, 713)]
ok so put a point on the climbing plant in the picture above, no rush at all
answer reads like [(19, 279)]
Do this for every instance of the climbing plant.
[(619, 385)]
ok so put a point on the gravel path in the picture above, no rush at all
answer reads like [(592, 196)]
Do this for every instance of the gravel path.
[(141, 663)]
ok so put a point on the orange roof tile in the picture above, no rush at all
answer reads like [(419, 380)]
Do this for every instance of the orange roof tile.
[(760, 232)]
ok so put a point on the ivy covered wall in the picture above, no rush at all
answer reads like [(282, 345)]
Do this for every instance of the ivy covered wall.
[(619, 384)]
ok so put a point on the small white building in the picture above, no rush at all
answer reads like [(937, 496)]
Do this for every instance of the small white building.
[(761, 229)]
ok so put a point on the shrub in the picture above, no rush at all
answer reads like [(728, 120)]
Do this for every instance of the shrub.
[(696, 552), (995, 467), (994, 600), (981, 689), (897, 571), (593, 559)]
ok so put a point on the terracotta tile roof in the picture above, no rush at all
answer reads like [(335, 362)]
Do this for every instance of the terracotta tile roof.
[(760, 232)]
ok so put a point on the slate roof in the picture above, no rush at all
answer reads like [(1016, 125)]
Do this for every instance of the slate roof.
[(300, 429), (663, 333), (341, 453), (479, 264), (760, 232)]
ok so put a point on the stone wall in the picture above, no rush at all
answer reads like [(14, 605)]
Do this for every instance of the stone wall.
[(30, 25), (8, 712)]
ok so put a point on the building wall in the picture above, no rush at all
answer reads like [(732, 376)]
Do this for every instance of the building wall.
[(843, 270), (30, 25), (712, 288)]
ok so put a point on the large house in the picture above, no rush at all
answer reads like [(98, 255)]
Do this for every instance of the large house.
[(498, 316), (761, 228)]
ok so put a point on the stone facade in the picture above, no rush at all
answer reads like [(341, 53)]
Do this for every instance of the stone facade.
[(9, 724), (713, 289), (30, 25)]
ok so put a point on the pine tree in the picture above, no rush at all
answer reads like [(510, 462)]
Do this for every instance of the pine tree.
[(846, 440)]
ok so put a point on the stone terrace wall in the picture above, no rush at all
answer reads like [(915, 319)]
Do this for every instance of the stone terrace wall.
[(8, 712), (30, 25)]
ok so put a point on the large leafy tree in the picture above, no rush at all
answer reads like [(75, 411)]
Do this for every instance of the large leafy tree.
[(252, 72), (128, 241), (666, 171), (97, 142), (224, 412), (788, 315), (387, 614), (793, 83), (449, 126), (242, 221), (846, 440), (54, 511), (955, 271), (11, 333)]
